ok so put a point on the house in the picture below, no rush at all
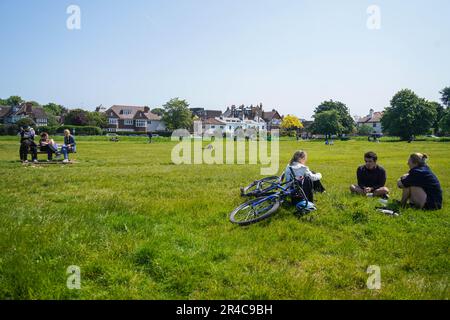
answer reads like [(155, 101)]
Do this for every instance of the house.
[(243, 112), (133, 119), (273, 119), (373, 119), (203, 114), (10, 115)]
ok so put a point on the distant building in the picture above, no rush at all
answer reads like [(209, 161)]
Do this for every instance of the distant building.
[(133, 119), (203, 114), (273, 119), (373, 119), (10, 115)]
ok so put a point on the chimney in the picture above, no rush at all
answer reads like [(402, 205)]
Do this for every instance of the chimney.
[(28, 107)]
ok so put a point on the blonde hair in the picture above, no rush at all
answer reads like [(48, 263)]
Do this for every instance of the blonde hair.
[(67, 131), (299, 155), (420, 159)]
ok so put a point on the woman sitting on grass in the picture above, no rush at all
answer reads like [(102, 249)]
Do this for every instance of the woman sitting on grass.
[(68, 146), (310, 180), (420, 186)]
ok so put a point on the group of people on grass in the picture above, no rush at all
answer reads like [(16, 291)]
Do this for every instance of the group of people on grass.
[(28, 145), (420, 186)]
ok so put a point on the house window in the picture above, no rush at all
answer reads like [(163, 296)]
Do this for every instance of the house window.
[(128, 122), (141, 123), (126, 111), (213, 127), (113, 121), (374, 125)]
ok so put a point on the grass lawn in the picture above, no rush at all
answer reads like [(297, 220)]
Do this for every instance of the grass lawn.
[(140, 227)]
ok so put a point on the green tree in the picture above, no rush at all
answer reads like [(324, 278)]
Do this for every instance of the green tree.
[(440, 112), (445, 96), (444, 124), (25, 122), (14, 101), (177, 114), (347, 124), (3, 102), (54, 109), (327, 123), (408, 115), (77, 117), (158, 111), (365, 130), (97, 119)]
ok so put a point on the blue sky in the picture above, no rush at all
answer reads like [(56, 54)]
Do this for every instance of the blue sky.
[(289, 55)]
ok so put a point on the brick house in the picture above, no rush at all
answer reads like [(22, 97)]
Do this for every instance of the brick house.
[(273, 119), (10, 115), (133, 119)]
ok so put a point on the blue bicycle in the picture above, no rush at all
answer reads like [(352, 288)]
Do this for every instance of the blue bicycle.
[(270, 194)]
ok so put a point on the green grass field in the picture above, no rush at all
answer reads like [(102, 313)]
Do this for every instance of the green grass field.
[(140, 227)]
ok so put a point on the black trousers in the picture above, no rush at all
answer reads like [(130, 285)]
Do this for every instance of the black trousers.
[(28, 146), (309, 188)]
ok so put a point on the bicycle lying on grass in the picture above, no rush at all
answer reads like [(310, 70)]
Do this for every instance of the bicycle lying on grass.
[(270, 194)]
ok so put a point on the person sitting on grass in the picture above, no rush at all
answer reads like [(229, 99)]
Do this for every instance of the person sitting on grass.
[(48, 145), (310, 180), (27, 144), (68, 146), (420, 186), (371, 178)]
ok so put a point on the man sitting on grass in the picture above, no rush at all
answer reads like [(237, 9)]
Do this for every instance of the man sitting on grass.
[(371, 178)]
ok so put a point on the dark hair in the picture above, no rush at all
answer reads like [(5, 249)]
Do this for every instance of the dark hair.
[(371, 155), (44, 134), (298, 156)]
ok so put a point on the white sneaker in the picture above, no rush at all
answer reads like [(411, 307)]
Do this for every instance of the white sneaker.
[(26, 161), (35, 161), (66, 161)]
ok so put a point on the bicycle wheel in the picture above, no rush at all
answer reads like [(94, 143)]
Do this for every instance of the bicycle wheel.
[(255, 210), (259, 187)]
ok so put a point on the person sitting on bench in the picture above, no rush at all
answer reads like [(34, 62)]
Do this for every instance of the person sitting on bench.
[(69, 145), (420, 186), (48, 145), (371, 178), (27, 144)]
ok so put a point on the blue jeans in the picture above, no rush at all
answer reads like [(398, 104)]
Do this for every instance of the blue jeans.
[(65, 150)]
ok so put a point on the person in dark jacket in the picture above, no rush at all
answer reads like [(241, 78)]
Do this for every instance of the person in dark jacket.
[(69, 145), (371, 178), (420, 186), (27, 144)]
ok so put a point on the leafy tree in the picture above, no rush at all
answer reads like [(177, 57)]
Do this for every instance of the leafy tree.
[(327, 123), (408, 115), (14, 101), (25, 122), (77, 117), (365, 130), (291, 123), (177, 114), (158, 111), (347, 124), (440, 112), (445, 96), (54, 109), (3, 102), (444, 124), (97, 119)]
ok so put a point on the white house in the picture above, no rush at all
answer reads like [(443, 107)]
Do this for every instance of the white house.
[(373, 119)]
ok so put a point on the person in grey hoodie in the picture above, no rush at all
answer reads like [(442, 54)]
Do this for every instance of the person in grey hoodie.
[(309, 180)]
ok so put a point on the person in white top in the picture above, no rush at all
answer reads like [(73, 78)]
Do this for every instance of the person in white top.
[(298, 165)]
